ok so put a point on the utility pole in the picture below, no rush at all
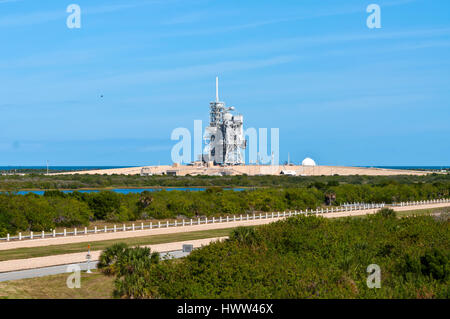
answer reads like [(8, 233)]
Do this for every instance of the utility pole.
[(88, 259)]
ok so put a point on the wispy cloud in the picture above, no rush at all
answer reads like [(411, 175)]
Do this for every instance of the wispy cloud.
[(197, 70), (283, 44), (39, 17), (8, 1), (336, 11)]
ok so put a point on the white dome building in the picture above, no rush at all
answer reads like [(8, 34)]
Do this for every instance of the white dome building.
[(308, 162)]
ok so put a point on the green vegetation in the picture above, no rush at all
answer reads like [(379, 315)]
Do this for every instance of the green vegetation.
[(57, 209), (22, 253), (119, 261), (47, 182), (300, 257)]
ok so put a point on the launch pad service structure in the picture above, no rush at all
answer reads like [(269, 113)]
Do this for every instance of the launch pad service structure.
[(224, 137)]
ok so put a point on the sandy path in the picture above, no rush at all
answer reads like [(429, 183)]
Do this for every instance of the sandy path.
[(39, 262), (180, 229), (128, 234), (182, 170)]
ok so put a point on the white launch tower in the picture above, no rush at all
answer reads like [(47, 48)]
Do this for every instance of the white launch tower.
[(224, 136)]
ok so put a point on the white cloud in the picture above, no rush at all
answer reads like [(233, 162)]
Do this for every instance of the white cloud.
[(32, 18)]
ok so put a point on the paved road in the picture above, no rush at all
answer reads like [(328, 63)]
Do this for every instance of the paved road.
[(60, 269), (74, 258)]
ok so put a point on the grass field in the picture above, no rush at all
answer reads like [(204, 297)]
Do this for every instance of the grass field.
[(424, 211), (93, 286), (416, 212)]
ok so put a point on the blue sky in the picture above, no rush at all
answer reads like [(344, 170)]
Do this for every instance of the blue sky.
[(340, 92)]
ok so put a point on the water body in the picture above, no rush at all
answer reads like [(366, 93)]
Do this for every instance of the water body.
[(130, 190), (84, 168), (58, 168), (413, 167)]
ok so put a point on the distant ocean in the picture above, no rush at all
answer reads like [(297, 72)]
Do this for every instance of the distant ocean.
[(413, 167), (59, 168), (83, 168)]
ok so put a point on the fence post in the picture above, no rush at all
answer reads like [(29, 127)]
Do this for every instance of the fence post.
[(142, 226), (167, 224), (85, 231), (31, 235), (234, 217), (228, 219), (106, 229), (240, 218), (199, 221), (132, 227), (183, 222), (213, 220), (74, 232), (115, 228), (151, 225), (65, 232), (206, 220), (20, 236), (124, 227), (54, 233), (95, 229), (191, 221), (7, 237)]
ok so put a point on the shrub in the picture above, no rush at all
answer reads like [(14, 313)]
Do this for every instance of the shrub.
[(304, 257), (435, 263), (387, 213)]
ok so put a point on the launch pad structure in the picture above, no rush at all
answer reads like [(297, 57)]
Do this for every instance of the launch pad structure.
[(224, 137)]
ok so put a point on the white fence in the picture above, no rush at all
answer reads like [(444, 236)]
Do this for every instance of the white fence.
[(213, 220)]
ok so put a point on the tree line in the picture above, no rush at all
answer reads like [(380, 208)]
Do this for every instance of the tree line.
[(47, 182), (58, 209)]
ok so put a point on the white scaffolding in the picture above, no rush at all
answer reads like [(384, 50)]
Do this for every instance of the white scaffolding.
[(224, 137)]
